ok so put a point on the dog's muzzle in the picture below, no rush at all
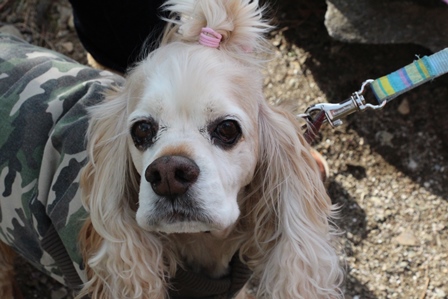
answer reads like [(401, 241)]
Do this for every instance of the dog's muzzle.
[(172, 178)]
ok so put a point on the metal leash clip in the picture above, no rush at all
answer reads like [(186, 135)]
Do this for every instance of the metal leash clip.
[(334, 112)]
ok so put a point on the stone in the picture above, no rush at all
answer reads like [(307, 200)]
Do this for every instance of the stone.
[(407, 238), (68, 46), (404, 108), (10, 29), (389, 22), (385, 138)]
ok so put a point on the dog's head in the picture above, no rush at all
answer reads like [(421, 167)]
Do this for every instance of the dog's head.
[(193, 137), (189, 145), (191, 119)]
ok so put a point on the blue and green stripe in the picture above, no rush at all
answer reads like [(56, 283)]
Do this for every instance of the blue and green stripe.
[(388, 87)]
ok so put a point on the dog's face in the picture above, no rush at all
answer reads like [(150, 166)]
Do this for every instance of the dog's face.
[(193, 139)]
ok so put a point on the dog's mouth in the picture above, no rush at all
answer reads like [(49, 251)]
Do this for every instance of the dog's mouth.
[(182, 225), (178, 215)]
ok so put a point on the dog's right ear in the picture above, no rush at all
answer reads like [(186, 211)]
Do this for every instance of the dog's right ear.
[(121, 260)]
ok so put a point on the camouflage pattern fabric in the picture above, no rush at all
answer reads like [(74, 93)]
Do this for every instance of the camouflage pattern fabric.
[(43, 120)]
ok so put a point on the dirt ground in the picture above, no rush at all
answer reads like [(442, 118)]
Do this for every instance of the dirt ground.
[(389, 169)]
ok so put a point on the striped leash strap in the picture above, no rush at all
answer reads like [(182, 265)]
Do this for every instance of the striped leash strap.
[(420, 71), (385, 89)]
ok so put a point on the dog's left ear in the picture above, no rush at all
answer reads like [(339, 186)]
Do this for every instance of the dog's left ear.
[(292, 250)]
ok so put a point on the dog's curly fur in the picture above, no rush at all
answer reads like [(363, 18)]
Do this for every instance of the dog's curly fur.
[(260, 196)]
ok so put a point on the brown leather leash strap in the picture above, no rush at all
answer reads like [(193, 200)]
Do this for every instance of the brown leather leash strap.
[(313, 127)]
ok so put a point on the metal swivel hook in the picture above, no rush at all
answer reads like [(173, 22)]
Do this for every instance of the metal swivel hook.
[(334, 112)]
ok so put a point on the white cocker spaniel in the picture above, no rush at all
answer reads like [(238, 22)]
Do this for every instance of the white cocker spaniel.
[(193, 179)]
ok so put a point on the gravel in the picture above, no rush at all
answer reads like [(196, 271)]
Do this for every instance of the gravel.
[(388, 168)]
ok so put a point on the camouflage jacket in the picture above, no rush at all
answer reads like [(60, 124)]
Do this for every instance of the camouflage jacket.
[(43, 120)]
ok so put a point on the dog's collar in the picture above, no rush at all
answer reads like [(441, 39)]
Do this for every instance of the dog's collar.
[(188, 285)]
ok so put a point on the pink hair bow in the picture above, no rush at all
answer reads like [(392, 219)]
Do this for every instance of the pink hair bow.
[(210, 38)]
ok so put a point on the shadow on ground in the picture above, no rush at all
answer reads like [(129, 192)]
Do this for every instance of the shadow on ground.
[(417, 143), (352, 221)]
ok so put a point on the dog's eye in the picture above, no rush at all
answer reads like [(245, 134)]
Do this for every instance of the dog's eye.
[(143, 133), (226, 133)]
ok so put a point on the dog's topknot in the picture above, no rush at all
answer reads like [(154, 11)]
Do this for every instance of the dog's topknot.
[(239, 22)]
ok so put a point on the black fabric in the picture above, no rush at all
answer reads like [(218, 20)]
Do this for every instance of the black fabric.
[(189, 285), (54, 246), (114, 31)]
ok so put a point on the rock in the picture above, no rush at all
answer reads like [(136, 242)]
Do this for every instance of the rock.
[(412, 164), (68, 46), (440, 293), (407, 238), (404, 108), (389, 22), (10, 29), (71, 23), (385, 138)]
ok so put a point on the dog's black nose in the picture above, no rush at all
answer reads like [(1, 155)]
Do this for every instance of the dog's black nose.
[(172, 175)]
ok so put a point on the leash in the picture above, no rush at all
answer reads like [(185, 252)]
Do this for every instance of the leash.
[(385, 89)]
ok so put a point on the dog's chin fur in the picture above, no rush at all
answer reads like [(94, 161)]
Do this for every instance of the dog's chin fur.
[(260, 196), (190, 227)]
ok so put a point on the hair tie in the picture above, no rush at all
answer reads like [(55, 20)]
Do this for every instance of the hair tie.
[(210, 38)]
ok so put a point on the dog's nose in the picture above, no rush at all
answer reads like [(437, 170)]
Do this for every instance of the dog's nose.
[(171, 175)]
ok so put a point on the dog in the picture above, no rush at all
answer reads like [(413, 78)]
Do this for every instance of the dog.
[(193, 182)]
